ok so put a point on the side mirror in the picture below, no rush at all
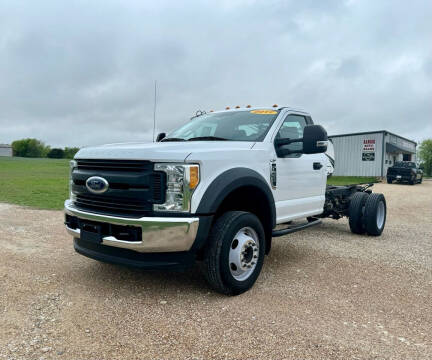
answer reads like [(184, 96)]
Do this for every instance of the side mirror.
[(314, 142), (160, 137), (314, 139)]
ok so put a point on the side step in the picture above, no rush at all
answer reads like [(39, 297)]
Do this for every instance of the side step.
[(289, 230)]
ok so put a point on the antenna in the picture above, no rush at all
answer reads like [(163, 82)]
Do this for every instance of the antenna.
[(154, 111)]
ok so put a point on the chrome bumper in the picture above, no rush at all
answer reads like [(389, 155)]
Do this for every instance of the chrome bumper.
[(159, 234)]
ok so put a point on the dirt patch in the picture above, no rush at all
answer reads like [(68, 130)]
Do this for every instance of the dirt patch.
[(323, 293)]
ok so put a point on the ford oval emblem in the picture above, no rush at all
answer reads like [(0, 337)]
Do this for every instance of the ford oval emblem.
[(97, 185)]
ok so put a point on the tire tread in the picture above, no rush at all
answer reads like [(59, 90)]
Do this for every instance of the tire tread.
[(355, 212)]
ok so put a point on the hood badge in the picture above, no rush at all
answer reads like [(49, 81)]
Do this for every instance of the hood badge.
[(97, 185)]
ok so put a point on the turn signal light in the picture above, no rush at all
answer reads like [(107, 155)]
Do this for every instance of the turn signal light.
[(193, 176)]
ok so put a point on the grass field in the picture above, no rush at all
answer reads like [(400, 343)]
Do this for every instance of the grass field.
[(43, 183), (39, 183), (348, 180)]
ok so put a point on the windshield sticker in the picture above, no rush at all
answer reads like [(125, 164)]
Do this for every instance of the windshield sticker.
[(263, 112)]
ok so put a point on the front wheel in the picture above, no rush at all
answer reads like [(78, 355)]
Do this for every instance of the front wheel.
[(235, 253)]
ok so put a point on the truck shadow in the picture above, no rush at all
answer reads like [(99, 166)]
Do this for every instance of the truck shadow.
[(130, 280), (288, 253), (114, 280)]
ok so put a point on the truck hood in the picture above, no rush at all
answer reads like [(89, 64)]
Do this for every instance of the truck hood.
[(161, 151)]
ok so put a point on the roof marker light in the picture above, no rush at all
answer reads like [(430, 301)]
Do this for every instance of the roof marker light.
[(237, 107), (275, 105), (227, 108), (248, 106)]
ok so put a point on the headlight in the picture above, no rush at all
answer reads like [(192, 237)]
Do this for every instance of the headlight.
[(72, 165), (182, 180)]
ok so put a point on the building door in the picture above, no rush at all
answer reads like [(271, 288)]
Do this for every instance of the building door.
[(406, 157)]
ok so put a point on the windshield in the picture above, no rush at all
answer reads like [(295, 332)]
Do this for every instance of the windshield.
[(248, 125), (405, 164)]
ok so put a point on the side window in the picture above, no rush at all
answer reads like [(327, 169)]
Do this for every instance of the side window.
[(292, 128)]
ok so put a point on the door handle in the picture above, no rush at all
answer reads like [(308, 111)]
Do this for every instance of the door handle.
[(317, 165)]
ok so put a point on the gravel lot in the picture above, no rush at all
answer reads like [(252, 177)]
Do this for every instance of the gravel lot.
[(323, 293)]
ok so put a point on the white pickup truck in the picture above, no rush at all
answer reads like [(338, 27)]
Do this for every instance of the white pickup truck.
[(216, 190)]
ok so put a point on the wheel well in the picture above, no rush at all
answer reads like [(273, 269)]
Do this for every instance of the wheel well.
[(254, 200)]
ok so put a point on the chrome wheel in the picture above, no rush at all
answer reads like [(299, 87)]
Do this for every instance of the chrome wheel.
[(244, 253), (380, 215)]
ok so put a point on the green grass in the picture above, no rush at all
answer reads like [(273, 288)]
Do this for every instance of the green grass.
[(43, 183), (349, 180), (39, 183)]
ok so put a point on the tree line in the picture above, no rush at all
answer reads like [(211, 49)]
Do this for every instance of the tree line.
[(425, 156), (35, 148)]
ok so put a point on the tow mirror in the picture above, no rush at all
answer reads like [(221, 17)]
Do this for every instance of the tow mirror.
[(160, 137), (314, 139), (314, 142)]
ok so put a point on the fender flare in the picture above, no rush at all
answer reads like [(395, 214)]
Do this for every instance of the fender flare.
[(229, 181)]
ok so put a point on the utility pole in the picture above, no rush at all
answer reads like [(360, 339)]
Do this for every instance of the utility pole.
[(154, 111)]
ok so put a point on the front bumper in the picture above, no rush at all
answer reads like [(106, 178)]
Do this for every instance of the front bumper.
[(400, 177), (159, 234)]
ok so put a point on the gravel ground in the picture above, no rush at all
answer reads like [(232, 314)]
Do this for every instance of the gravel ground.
[(323, 293)]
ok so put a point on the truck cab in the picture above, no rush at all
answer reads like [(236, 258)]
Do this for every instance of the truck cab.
[(212, 190)]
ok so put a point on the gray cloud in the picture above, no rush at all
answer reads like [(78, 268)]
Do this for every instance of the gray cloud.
[(81, 73)]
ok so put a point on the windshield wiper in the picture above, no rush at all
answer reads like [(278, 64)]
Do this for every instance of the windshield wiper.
[(173, 139), (198, 138)]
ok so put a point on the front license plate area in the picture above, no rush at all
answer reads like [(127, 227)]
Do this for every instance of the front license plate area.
[(91, 232), (398, 177)]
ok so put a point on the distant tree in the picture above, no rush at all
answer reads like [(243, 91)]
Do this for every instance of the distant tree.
[(425, 155), (69, 152), (29, 148), (56, 153)]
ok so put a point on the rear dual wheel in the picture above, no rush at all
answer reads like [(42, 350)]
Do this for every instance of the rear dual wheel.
[(367, 213)]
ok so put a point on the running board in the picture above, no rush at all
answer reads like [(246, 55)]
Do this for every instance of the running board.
[(294, 229)]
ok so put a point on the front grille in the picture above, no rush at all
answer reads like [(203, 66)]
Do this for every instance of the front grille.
[(399, 171), (134, 187), (115, 205), (114, 165)]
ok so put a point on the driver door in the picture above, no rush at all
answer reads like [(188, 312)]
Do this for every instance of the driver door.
[(301, 178)]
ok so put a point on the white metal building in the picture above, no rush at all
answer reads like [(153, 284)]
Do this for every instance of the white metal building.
[(370, 153), (5, 150)]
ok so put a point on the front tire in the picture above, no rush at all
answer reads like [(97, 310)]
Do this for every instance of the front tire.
[(389, 181), (234, 255)]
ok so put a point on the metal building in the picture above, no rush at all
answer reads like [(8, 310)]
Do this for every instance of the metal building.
[(5, 150), (370, 153)]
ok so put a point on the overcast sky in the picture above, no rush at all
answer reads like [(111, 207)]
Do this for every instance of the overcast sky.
[(75, 73)]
